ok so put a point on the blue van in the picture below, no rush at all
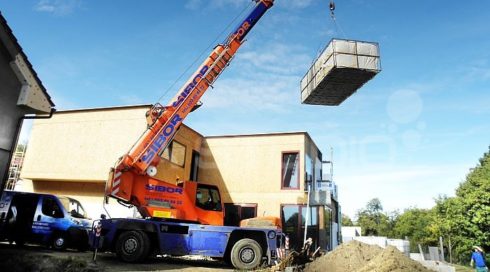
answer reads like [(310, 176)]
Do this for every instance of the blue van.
[(56, 221)]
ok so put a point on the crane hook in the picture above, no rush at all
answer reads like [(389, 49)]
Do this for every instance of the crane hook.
[(332, 7)]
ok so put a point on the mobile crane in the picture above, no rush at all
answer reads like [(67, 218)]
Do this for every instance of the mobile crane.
[(178, 220)]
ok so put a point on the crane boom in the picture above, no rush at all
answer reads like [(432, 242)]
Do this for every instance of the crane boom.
[(137, 167)]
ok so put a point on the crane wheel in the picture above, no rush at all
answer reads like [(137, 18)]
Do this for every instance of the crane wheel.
[(246, 254), (132, 246)]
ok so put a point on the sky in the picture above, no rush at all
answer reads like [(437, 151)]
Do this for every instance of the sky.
[(409, 135)]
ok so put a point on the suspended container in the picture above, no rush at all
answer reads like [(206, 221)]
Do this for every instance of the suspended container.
[(340, 70)]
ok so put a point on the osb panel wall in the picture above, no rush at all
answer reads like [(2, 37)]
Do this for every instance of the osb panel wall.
[(248, 169), (83, 145)]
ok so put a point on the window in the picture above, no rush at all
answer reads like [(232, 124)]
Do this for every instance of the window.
[(293, 221), (318, 173), (327, 221), (309, 170), (51, 208), (195, 165), (174, 153), (73, 207), (234, 213), (290, 170), (207, 198)]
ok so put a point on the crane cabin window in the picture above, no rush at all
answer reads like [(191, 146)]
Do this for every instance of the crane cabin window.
[(290, 170), (175, 153), (208, 198)]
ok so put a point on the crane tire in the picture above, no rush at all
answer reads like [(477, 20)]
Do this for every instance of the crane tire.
[(246, 254), (133, 246)]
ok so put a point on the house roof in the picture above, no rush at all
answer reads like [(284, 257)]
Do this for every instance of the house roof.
[(13, 47)]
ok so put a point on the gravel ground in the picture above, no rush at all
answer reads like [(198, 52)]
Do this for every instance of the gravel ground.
[(37, 258)]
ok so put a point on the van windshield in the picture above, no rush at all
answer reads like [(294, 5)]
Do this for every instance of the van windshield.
[(73, 207)]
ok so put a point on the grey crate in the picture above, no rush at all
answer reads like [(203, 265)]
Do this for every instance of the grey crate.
[(340, 70)]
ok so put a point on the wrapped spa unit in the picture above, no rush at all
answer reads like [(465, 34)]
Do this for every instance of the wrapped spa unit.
[(340, 70)]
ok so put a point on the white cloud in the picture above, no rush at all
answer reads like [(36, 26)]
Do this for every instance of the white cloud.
[(286, 4), (132, 99), (193, 4), (58, 7), (267, 79), (478, 73), (224, 3), (196, 4), (245, 93), (294, 4), (276, 58)]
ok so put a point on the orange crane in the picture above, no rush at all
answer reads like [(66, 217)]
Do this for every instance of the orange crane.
[(132, 181)]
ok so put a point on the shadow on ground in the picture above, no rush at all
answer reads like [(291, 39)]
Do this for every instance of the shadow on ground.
[(36, 258)]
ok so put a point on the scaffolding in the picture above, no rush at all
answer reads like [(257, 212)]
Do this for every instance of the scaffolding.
[(15, 167)]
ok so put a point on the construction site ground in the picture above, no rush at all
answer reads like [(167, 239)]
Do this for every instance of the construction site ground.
[(353, 256), (38, 258)]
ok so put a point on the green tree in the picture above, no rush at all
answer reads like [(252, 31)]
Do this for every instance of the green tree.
[(465, 218), (373, 221), (346, 221), (414, 224)]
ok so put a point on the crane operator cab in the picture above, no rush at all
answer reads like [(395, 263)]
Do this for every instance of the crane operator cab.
[(207, 198)]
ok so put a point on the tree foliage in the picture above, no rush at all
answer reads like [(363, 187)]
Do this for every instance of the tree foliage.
[(346, 221), (413, 224), (465, 218), (373, 221)]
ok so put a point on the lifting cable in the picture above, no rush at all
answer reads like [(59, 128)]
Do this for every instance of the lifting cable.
[(206, 50), (336, 24)]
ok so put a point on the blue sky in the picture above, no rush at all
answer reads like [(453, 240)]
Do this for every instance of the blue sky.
[(407, 136)]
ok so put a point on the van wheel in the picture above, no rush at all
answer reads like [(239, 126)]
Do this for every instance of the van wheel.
[(133, 246), (59, 242), (246, 254)]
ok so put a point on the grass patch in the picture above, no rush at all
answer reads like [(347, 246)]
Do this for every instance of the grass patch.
[(461, 268)]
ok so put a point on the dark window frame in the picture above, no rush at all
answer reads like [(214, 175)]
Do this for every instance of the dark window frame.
[(298, 152)]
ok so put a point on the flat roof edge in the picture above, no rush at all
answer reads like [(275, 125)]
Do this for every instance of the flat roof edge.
[(258, 135), (104, 108)]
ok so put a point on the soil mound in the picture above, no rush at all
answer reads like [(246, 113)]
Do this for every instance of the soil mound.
[(392, 260), (359, 257), (345, 258)]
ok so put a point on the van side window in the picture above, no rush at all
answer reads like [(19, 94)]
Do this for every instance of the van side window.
[(51, 208)]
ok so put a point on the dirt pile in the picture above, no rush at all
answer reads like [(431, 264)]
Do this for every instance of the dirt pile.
[(359, 257), (347, 257), (392, 260)]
